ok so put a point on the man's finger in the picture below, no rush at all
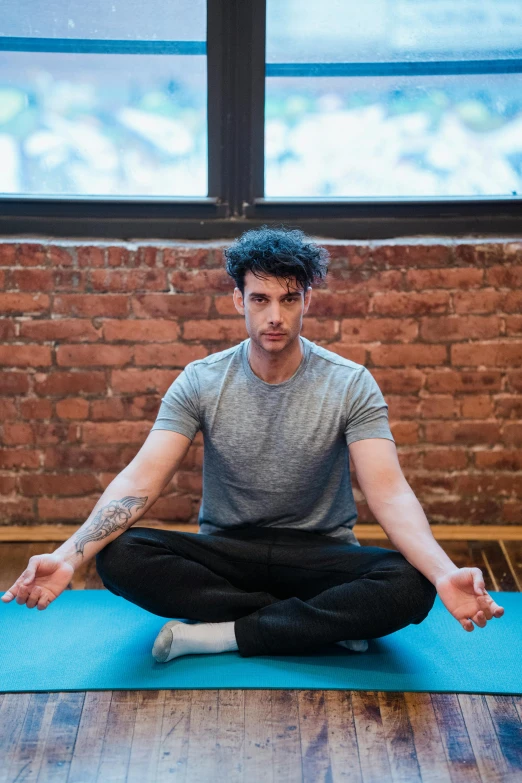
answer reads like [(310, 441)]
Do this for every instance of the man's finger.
[(33, 599), (43, 603), (8, 595)]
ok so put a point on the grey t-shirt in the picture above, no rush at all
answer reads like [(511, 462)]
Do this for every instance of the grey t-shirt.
[(276, 455)]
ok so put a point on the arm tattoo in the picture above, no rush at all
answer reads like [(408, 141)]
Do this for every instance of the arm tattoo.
[(111, 517)]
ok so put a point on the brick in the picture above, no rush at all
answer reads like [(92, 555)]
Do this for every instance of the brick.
[(405, 432), (32, 254), (61, 256), (503, 459), (392, 355), (513, 325), (69, 280), (201, 281), (399, 254), (218, 329), (118, 432), (422, 279), (70, 329), (176, 355), (32, 279), (13, 382), (479, 253), (128, 280), (453, 510), (17, 434), (185, 256), (93, 355), (439, 407), (471, 432), (406, 381), (3, 279), (479, 406), (77, 509), (387, 330), (7, 410), (482, 301), (360, 282), (8, 252), (142, 381), (400, 408), (224, 305), (117, 255), (49, 433), (106, 305), (24, 303), (141, 407), (315, 329), (460, 328), (170, 305), (512, 433), (25, 355), (7, 329), (399, 303), (34, 408), (453, 381), (62, 383), (445, 459), (8, 485), (498, 354), (11, 459), (157, 330), (148, 256), (92, 256), (72, 408), (97, 457), (338, 305), (511, 512), (62, 484), (16, 511), (492, 484), (345, 255), (512, 302), (513, 380), (504, 276), (508, 407)]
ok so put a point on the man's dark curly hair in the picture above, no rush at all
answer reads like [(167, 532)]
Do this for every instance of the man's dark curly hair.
[(280, 251)]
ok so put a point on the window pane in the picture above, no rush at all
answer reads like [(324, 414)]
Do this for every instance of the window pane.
[(176, 20), (105, 124), (381, 135)]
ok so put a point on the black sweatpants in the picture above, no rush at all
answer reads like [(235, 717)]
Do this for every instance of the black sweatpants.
[(289, 591)]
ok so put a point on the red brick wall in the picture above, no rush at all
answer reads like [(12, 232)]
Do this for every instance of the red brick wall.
[(92, 335)]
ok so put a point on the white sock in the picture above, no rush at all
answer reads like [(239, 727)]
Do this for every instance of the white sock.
[(357, 645), (177, 638)]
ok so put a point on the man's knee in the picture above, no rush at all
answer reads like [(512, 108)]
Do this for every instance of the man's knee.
[(113, 559), (420, 591)]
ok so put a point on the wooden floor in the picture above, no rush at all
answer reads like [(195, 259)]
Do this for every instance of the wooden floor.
[(283, 736)]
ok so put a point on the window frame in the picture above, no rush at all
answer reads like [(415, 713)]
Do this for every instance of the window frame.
[(236, 73)]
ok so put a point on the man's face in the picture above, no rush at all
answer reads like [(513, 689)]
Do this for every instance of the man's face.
[(272, 305)]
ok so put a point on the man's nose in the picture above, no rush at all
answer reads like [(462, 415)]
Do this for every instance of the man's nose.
[(275, 314)]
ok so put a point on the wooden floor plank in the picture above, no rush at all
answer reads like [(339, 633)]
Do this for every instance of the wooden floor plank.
[(28, 755), (230, 738), (146, 739), (429, 750), (508, 728), (175, 734), (455, 739), (90, 736), (117, 743), (494, 564), (481, 732), (342, 737), (202, 758), (371, 739), (286, 737), (258, 736), (59, 745), (313, 729), (399, 737), (12, 716)]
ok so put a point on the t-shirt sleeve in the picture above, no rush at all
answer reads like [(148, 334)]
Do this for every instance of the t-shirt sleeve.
[(367, 410), (179, 409)]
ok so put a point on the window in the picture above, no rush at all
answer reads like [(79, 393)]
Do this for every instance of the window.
[(201, 118)]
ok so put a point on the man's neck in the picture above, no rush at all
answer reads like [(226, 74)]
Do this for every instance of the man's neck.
[(275, 368)]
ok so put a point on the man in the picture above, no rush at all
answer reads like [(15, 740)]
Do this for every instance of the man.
[(275, 567)]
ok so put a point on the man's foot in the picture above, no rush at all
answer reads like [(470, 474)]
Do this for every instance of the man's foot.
[(177, 638), (357, 645)]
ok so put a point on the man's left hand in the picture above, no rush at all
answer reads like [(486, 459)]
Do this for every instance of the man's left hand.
[(464, 595)]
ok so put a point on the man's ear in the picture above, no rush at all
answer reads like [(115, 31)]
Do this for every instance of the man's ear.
[(238, 301)]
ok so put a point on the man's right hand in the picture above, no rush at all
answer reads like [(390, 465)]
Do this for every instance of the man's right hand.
[(45, 577)]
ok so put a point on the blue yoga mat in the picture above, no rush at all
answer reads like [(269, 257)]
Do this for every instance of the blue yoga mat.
[(93, 640)]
